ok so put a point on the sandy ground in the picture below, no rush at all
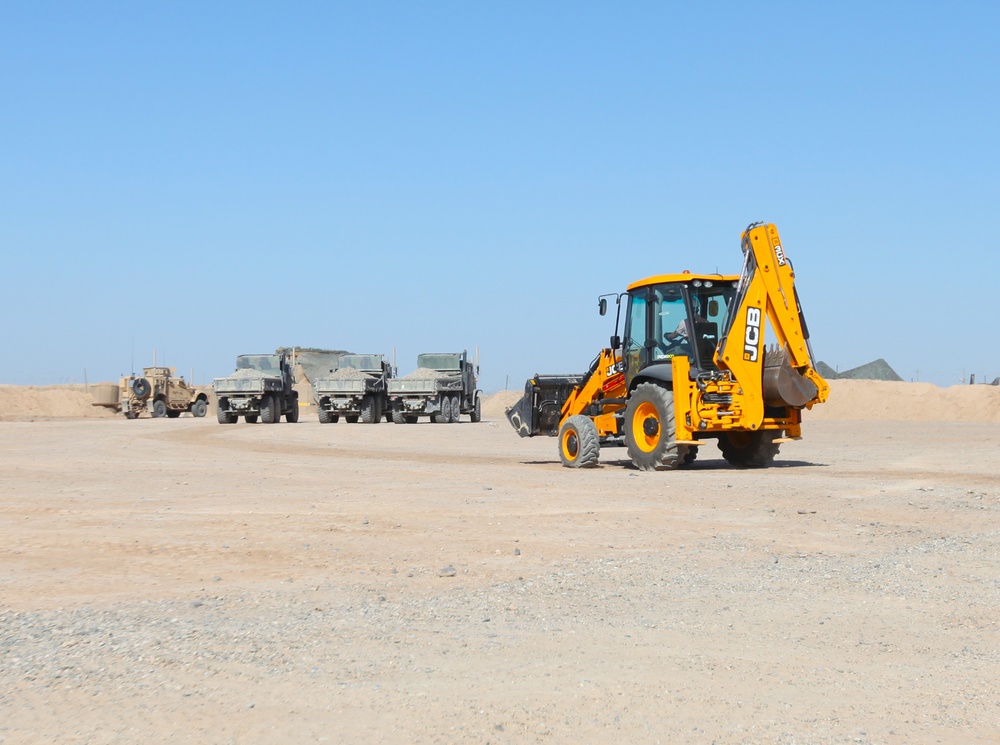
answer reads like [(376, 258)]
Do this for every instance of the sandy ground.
[(183, 581)]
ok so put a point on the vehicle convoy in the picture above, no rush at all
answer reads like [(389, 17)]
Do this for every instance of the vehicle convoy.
[(691, 368), (356, 390), (442, 387), (159, 391), (260, 389)]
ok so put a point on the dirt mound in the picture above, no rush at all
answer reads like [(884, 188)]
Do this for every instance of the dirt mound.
[(911, 402), (19, 402)]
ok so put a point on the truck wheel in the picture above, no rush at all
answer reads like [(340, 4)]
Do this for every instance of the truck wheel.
[(224, 416), (579, 443), (141, 387), (199, 408), (159, 409), (649, 429), (369, 413), (269, 410), (251, 418), (443, 416), (750, 449), (324, 416), (397, 415), (293, 412), (477, 410), (456, 409)]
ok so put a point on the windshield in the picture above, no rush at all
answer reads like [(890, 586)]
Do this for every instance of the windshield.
[(364, 362), (261, 362), (439, 361), (676, 318)]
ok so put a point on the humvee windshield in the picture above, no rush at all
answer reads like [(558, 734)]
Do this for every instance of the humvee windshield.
[(261, 362)]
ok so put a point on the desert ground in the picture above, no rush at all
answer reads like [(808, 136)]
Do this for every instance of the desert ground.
[(177, 580)]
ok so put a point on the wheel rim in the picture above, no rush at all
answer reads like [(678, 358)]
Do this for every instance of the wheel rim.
[(646, 427), (570, 444)]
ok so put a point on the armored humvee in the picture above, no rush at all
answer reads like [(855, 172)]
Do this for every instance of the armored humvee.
[(159, 391)]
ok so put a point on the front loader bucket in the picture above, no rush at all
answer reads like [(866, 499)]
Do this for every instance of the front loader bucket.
[(540, 409), (784, 385)]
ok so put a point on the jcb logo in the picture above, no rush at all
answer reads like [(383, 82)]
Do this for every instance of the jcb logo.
[(751, 340)]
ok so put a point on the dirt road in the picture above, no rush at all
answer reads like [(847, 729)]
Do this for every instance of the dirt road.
[(184, 581)]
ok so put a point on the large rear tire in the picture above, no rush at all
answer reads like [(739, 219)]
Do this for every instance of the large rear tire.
[(324, 416), (649, 429), (444, 415), (750, 449), (224, 416), (269, 413), (477, 410), (397, 415), (579, 443), (293, 412), (159, 408), (369, 410), (456, 409)]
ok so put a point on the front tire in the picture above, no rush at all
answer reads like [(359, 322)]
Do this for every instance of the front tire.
[(750, 449), (369, 410), (293, 411), (649, 429), (324, 416), (159, 409), (199, 408), (579, 443), (224, 416), (477, 410)]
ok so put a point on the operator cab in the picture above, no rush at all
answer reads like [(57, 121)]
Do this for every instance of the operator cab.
[(671, 315)]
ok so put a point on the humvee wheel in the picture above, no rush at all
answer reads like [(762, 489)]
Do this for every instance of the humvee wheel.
[(159, 409), (130, 414), (750, 449), (199, 408), (649, 429), (579, 444)]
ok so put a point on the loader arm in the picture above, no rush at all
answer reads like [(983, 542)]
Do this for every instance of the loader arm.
[(784, 375)]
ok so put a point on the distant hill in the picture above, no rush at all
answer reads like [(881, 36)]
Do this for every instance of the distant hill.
[(877, 370)]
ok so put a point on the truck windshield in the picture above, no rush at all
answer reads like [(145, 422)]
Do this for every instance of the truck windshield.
[(364, 362), (260, 362), (440, 361)]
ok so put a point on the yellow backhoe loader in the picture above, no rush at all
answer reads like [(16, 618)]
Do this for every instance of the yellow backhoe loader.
[(691, 367)]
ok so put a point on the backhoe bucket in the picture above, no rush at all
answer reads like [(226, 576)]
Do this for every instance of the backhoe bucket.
[(540, 409), (784, 385)]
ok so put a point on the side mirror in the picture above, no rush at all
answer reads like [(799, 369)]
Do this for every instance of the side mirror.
[(602, 306), (616, 342), (713, 308)]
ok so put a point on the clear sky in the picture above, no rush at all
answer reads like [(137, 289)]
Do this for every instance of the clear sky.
[(206, 179)]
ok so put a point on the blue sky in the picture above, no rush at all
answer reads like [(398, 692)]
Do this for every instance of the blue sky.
[(211, 179)]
